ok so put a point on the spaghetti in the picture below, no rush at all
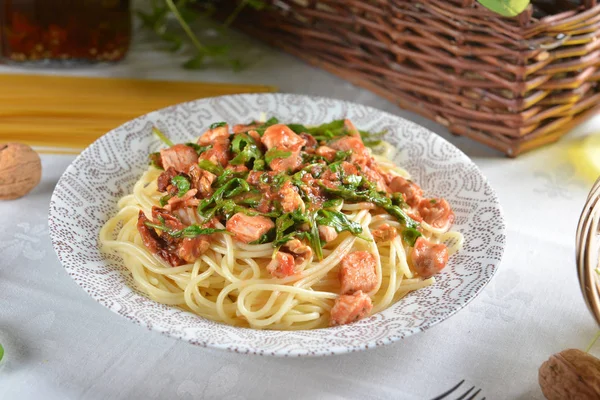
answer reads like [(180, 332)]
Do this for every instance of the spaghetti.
[(279, 227)]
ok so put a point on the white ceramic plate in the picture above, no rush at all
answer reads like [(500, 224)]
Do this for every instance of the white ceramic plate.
[(87, 193)]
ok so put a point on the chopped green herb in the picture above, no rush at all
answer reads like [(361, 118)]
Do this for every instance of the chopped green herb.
[(164, 200), (233, 187), (191, 231), (371, 139), (410, 236), (245, 149), (162, 137), (210, 167), (279, 179), (333, 203), (339, 221), (342, 155), (199, 149), (372, 196), (259, 165), (314, 238), (298, 128), (433, 201), (217, 125), (182, 184), (263, 127), (1, 352), (273, 153)]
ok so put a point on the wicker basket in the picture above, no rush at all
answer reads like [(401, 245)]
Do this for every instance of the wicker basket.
[(512, 83)]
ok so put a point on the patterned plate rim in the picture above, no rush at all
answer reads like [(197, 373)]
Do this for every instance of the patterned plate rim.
[(493, 201)]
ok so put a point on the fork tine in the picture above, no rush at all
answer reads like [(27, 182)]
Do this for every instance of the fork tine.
[(474, 394), (445, 394), (466, 393)]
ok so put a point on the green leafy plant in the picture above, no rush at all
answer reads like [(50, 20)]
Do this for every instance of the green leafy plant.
[(506, 8), (182, 37)]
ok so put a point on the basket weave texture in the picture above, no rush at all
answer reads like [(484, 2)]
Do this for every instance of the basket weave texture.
[(511, 83)]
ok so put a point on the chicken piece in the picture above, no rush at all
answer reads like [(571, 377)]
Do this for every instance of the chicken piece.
[(218, 154), (246, 228), (300, 251), (155, 244), (237, 168), (427, 259), (187, 200), (437, 213), (310, 142), (171, 221), (201, 180), (375, 177), (349, 308), (282, 265), (326, 152), (282, 138), (360, 154), (333, 178), (190, 249), (180, 157), (163, 182), (290, 198), (357, 272), (411, 191), (327, 233), (384, 233), (290, 163), (240, 128), (212, 136)]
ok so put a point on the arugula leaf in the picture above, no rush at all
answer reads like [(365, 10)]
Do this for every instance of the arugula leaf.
[(182, 184), (294, 235), (298, 128), (274, 153), (164, 200), (155, 160), (215, 125), (371, 139), (210, 167), (333, 203), (410, 236), (199, 149), (191, 231), (315, 239), (245, 149), (339, 221), (265, 238), (233, 187), (372, 196), (162, 137), (259, 165), (342, 155), (279, 179), (263, 127)]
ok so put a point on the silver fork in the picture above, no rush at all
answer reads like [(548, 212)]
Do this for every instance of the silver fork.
[(472, 396)]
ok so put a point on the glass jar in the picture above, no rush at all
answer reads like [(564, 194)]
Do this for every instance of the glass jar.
[(64, 31)]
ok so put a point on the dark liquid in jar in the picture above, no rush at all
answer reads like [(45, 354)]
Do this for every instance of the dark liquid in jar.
[(66, 30)]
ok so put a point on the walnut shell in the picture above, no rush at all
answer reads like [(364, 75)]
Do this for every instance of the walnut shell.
[(20, 170), (570, 374)]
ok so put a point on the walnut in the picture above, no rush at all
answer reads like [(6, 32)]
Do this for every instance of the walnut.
[(20, 170), (570, 374)]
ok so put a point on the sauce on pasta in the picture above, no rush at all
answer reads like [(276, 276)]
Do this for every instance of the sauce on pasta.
[(274, 226)]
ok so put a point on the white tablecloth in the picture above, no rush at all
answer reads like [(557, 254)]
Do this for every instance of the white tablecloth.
[(61, 344)]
